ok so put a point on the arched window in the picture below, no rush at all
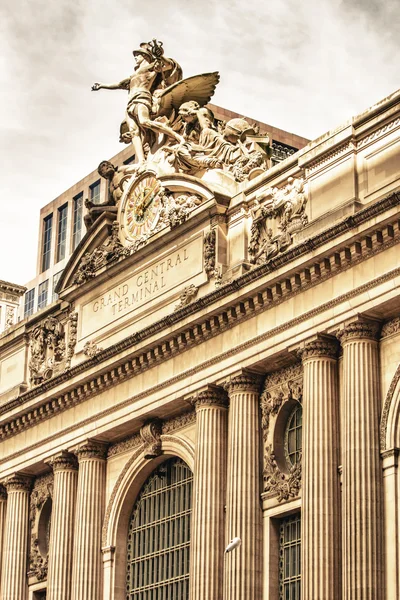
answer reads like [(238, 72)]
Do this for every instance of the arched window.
[(293, 436), (159, 535)]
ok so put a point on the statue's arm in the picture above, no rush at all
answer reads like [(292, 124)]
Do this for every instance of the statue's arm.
[(122, 85)]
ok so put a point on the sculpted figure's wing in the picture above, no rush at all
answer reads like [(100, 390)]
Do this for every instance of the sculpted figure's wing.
[(198, 87)]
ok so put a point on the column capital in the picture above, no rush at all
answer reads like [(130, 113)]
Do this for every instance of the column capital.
[(3, 493), (244, 381), (18, 482), (321, 346), (90, 449), (360, 328), (210, 396), (63, 461)]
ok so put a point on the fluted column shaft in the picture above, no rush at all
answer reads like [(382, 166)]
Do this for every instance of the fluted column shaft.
[(87, 559), (362, 476), (14, 582), (243, 566), (3, 509), (320, 538), (65, 469), (208, 540)]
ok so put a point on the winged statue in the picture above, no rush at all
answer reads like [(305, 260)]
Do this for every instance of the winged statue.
[(156, 91)]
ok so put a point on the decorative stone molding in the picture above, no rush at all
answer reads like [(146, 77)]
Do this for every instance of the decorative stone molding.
[(338, 152), (18, 483), (391, 327), (361, 329), (284, 487), (365, 246), (72, 337), (63, 461), (40, 531), (3, 493), (188, 295), (211, 397), (151, 436), (90, 349), (372, 137), (279, 387), (245, 382), (323, 346), (184, 420), (47, 350), (90, 450), (130, 443), (286, 206), (386, 409), (210, 240)]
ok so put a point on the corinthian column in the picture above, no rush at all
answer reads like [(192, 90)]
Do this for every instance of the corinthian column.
[(362, 476), (87, 558), (3, 508), (243, 565), (320, 514), (65, 469), (14, 584), (207, 544)]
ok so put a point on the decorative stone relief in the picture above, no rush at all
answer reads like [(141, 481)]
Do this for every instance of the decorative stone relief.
[(391, 327), (47, 350), (189, 293), (283, 486), (110, 251), (210, 240), (176, 208), (184, 420), (280, 387), (10, 314), (151, 436), (72, 337), (277, 216), (90, 349), (40, 523)]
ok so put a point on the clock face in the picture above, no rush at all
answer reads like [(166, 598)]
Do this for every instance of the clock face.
[(141, 209)]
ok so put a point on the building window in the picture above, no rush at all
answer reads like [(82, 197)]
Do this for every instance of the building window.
[(55, 281), (293, 436), (62, 232), (29, 302), (42, 294), (47, 227), (289, 558), (95, 192), (159, 535), (77, 220)]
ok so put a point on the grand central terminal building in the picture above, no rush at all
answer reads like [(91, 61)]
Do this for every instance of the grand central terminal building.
[(200, 389)]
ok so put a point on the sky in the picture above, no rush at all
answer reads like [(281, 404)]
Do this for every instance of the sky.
[(305, 67)]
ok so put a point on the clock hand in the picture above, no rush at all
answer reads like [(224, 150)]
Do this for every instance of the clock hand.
[(143, 205)]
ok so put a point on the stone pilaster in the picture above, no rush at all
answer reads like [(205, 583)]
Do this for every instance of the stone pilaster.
[(390, 460), (362, 517), (208, 522), (320, 515), (87, 559), (65, 468), (14, 582), (243, 566), (3, 509)]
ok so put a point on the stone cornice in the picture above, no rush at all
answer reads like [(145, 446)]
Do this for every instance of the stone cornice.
[(273, 294), (12, 288)]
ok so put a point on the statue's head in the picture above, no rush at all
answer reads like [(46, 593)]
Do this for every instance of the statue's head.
[(237, 129), (106, 169), (143, 53), (188, 110)]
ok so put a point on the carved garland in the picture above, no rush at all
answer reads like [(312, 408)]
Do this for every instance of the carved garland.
[(38, 559)]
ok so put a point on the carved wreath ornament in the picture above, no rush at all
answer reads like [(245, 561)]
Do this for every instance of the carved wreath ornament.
[(284, 387)]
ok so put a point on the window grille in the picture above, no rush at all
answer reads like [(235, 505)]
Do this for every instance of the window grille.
[(293, 436), (159, 536), (62, 232), (47, 227), (77, 220), (29, 302), (289, 558)]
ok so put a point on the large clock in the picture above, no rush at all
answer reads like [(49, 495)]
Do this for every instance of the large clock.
[(140, 209)]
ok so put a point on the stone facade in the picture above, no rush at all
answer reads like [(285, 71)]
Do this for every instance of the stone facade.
[(257, 339)]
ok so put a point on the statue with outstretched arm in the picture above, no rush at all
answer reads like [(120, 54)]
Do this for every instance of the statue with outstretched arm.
[(156, 90)]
